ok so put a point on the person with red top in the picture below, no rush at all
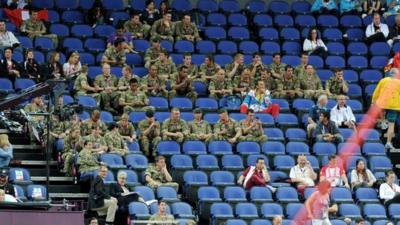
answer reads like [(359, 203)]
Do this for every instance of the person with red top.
[(333, 173), (255, 176)]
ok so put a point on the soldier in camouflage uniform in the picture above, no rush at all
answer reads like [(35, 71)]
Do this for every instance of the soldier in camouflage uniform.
[(74, 123), (72, 145), (256, 66), (162, 215), (208, 69), (300, 70), (115, 55), (277, 68), (151, 55), (269, 81), (243, 84), (149, 133), (99, 144), (163, 28), (153, 85), (183, 86), (92, 122), (123, 82), (235, 68), (36, 106), (82, 87), (157, 175), (34, 27), (115, 142), (186, 30), (107, 84), (57, 129), (199, 129), (126, 129), (175, 128), (220, 87), (193, 70), (226, 129), (288, 87), (252, 129), (137, 29), (166, 69), (88, 158), (311, 84), (133, 99), (336, 85)]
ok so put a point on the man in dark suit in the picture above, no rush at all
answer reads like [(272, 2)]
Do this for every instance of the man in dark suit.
[(100, 200), (4, 185)]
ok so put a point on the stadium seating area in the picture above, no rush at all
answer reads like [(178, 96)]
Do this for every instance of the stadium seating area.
[(207, 173)]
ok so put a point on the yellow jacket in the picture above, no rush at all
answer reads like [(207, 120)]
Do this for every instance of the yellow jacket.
[(387, 94)]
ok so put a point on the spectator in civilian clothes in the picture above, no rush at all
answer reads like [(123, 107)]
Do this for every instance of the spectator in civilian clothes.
[(7, 38), (9, 68), (342, 114), (302, 174), (324, 7), (31, 67), (361, 176), (326, 130), (255, 176), (376, 31), (313, 115), (389, 192), (334, 173), (151, 14), (314, 45), (394, 32), (370, 7), (6, 151)]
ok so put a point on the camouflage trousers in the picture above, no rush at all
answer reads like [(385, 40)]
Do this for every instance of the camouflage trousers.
[(145, 141), (109, 100), (85, 169), (68, 158), (192, 95), (155, 185), (193, 137), (120, 151), (94, 95), (286, 95), (129, 109), (179, 140), (260, 139), (313, 94)]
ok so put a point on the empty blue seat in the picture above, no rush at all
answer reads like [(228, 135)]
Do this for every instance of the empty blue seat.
[(181, 162), (246, 211), (335, 48), (374, 211), (232, 162), (134, 59), (87, 101), (248, 47), (229, 6), (274, 134), (221, 211), (297, 148), (138, 210), (270, 210), (207, 6), (227, 47), (273, 148), (116, 5), (145, 192), (393, 211), (136, 161), (349, 210), (86, 5), (286, 194), (36, 192), (104, 31), (283, 103), (256, 6), (379, 49), (182, 210), (6, 85), (207, 104), (296, 134), (322, 148), (44, 43), (219, 147), (216, 19), (287, 120), (290, 34), (59, 29), (302, 105), (351, 76), (54, 17), (378, 62), (113, 161), (283, 162), (260, 195), (222, 178), (215, 33), (181, 5), (234, 194), (357, 48), (291, 60), (248, 147), (350, 21), (223, 60), (380, 163), (19, 176), (21, 83), (335, 61), (301, 7), (73, 44), (168, 148), (270, 48), (339, 194), (95, 44), (332, 34), (182, 103), (238, 33), (263, 20), (371, 149), (212, 118), (19, 193), (268, 34), (235, 222), (292, 210), (305, 21), (141, 45), (357, 62), (237, 20), (205, 47), (316, 61), (366, 195), (370, 76), (355, 34), (207, 162), (327, 21), (192, 181), (25, 42), (283, 21), (75, 17), (194, 148)]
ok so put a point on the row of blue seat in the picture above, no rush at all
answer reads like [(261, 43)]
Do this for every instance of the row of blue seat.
[(292, 222)]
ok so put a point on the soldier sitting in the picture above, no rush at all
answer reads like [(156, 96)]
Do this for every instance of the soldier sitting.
[(82, 87), (34, 27), (126, 129), (243, 84), (107, 83), (183, 85), (226, 129), (133, 99), (199, 129), (252, 129), (277, 68), (163, 28), (92, 122), (72, 146), (208, 69), (88, 159), (157, 175), (235, 69), (310, 83), (99, 144), (162, 215), (115, 54), (115, 142), (123, 82), (137, 29), (151, 54), (256, 66), (153, 85), (288, 87), (336, 85), (175, 128), (193, 70), (186, 30), (166, 69), (220, 87), (150, 133)]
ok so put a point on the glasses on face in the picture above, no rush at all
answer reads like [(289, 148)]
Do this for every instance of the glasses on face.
[(122, 178)]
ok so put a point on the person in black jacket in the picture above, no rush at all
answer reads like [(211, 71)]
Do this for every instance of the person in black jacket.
[(100, 200), (53, 69), (31, 66), (4, 185), (9, 68)]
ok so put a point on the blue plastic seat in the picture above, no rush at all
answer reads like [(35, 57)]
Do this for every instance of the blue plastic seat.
[(168, 148), (221, 211), (159, 103), (182, 103), (145, 192), (290, 34), (292, 209), (263, 20), (374, 211), (268, 34), (246, 211), (297, 148), (229, 6), (207, 6), (234, 194), (350, 21), (136, 161), (22, 84), (205, 47), (266, 119), (283, 103), (322, 148), (273, 148), (192, 181), (60, 30), (357, 62), (378, 62), (44, 43), (207, 162), (279, 7), (182, 210), (87, 58), (200, 88), (222, 60), (339, 194), (19, 176), (393, 211), (248, 47), (103, 31), (380, 163), (54, 17), (335, 48), (371, 149), (316, 61), (235, 222), (36, 192), (327, 21), (19, 193), (222, 178), (95, 45), (138, 210), (25, 42), (227, 47), (248, 147), (219, 147), (86, 5), (212, 118), (181, 162), (239, 33), (73, 44), (87, 101), (260, 195), (134, 59), (305, 21), (256, 6), (379, 49), (274, 134), (357, 48), (141, 45), (349, 210), (237, 19), (291, 60), (332, 34), (216, 19), (116, 5), (113, 161), (269, 47), (370, 76), (215, 33), (294, 135), (181, 5), (283, 21), (366, 195), (45, 4), (355, 34), (6, 85), (270, 210), (286, 195), (351, 76), (283, 162), (301, 7), (303, 105), (207, 104), (287, 120), (75, 17), (335, 61)]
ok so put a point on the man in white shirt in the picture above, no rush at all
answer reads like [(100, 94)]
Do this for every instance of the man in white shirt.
[(334, 173), (302, 174), (7, 38), (376, 31), (389, 192), (342, 114)]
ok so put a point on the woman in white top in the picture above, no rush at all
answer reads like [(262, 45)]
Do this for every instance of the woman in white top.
[(389, 192), (361, 176), (314, 45), (73, 65)]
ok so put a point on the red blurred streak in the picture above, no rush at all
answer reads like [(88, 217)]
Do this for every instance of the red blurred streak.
[(368, 122)]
